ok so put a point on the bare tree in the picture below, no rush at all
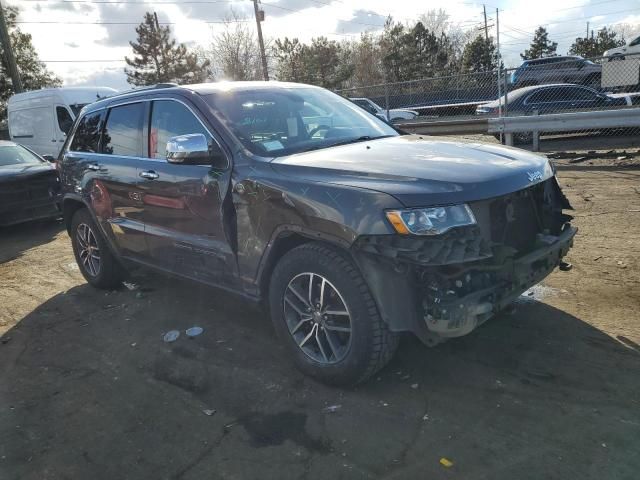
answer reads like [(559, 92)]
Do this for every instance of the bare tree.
[(234, 51), (439, 22)]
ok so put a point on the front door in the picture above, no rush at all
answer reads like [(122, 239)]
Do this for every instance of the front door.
[(183, 204)]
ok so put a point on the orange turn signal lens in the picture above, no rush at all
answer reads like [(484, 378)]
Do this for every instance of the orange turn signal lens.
[(396, 221)]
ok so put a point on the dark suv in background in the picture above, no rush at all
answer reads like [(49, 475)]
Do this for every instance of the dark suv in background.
[(559, 69), (349, 231)]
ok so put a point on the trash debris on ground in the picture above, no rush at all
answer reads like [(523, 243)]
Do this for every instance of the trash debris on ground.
[(209, 412), (425, 417), (193, 331), (565, 266), (171, 336), (621, 264), (414, 386), (332, 408), (445, 462), (5, 340), (130, 286), (134, 344), (139, 295)]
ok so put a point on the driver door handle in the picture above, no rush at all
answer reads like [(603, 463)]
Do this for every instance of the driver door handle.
[(94, 166), (149, 175)]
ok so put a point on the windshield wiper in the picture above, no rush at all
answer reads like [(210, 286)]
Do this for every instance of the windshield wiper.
[(362, 138)]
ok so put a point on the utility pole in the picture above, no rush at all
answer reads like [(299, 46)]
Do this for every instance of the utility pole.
[(260, 18), (486, 29), (7, 49), (499, 64), (587, 37)]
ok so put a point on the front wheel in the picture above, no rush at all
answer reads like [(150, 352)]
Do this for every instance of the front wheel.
[(323, 311)]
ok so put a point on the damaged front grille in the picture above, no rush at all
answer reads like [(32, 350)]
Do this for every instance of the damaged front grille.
[(456, 246)]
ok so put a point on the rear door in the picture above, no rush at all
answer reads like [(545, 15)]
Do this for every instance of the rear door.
[(122, 151), (183, 203), (106, 148)]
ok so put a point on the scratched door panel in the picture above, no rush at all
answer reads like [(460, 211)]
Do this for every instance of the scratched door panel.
[(183, 221)]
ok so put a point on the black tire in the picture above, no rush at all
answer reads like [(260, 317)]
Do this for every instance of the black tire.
[(109, 273), (371, 344)]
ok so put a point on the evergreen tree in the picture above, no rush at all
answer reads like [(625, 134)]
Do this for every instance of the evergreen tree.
[(33, 72), (479, 55), (596, 46), (288, 55), (540, 46), (158, 59)]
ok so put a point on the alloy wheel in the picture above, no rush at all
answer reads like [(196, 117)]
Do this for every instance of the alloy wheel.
[(317, 318), (88, 250)]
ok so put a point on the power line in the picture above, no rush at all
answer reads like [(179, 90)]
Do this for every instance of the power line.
[(55, 22)]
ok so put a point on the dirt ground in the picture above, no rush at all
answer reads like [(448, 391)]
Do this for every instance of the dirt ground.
[(88, 389)]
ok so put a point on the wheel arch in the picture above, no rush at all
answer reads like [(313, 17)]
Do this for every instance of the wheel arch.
[(70, 205), (285, 239)]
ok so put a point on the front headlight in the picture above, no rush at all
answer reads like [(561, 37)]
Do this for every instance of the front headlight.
[(430, 221)]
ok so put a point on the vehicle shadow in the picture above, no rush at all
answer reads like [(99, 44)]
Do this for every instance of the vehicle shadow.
[(89, 389), (16, 239)]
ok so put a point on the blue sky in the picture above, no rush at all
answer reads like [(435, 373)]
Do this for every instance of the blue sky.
[(88, 30)]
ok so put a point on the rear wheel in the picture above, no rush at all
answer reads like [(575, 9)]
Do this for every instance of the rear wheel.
[(323, 311), (96, 262)]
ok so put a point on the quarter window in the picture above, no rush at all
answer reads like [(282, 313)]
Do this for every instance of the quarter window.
[(87, 135), (170, 119), (123, 131)]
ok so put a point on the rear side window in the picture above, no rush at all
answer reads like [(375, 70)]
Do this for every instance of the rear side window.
[(65, 122), (545, 96), (170, 119), (87, 135), (123, 131), (577, 94)]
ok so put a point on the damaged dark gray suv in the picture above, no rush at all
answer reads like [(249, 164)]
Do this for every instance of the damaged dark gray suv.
[(348, 230)]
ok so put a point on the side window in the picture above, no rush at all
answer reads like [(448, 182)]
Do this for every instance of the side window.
[(635, 42), (574, 94), (87, 135), (123, 131), (65, 122), (544, 96), (170, 119)]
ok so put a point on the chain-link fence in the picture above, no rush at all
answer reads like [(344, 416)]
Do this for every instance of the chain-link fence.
[(553, 85)]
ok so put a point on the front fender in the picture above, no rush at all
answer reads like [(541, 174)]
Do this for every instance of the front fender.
[(268, 206)]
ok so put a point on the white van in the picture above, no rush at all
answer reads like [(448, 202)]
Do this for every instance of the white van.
[(40, 119)]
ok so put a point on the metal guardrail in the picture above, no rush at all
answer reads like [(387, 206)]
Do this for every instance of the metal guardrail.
[(563, 122), (446, 127)]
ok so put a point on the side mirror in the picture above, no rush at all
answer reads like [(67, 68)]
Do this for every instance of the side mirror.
[(193, 149), (49, 158)]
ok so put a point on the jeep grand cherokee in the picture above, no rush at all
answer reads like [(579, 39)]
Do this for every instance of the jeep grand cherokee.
[(348, 230)]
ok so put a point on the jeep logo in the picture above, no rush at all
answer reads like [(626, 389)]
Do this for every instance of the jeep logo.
[(533, 176)]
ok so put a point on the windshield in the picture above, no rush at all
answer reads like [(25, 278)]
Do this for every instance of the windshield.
[(275, 122), (16, 155)]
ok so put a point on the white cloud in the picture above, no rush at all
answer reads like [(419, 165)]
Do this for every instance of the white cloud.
[(565, 20)]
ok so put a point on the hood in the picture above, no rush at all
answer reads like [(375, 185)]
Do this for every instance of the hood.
[(421, 171), (21, 171)]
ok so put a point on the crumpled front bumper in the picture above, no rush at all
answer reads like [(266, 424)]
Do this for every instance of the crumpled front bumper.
[(460, 315), (452, 298)]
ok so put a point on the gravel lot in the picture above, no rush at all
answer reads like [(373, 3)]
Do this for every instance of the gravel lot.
[(88, 389)]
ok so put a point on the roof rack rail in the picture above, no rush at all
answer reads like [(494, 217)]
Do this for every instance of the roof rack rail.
[(148, 87)]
